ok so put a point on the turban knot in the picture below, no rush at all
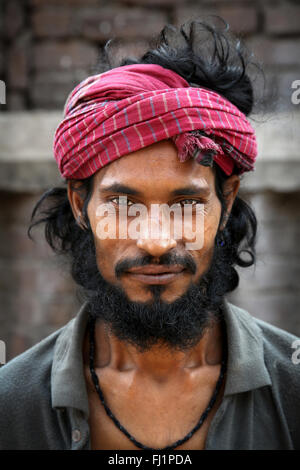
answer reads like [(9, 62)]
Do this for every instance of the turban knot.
[(127, 108)]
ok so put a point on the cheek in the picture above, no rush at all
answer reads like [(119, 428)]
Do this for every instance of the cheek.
[(105, 248), (211, 223), (106, 252), (211, 220), (204, 227)]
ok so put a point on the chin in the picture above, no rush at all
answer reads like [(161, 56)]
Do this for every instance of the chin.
[(155, 293)]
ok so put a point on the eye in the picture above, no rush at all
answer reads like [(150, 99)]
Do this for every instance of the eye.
[(121, 201), (193, 202)]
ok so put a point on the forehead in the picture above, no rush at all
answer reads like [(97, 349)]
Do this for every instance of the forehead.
[(155, 167)]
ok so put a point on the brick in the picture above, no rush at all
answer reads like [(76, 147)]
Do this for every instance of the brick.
[(145, 3), (33, 317), (55, 21), (18, 344), (2, 9), (217, 2), (2, 61), (15, 240), (49, 89), (18, 62), (16, 101), (278, 52), (59, 77), (18, 207), (62, 309), (51, 96), (241, 19), (97, 24), (129, 23), (64, 55), (52, 281), (10, 279), (282, 19), (277, 208), (14, 18), (75, 3)]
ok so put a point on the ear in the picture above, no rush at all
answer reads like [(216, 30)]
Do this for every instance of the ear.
[(76, 201), (230, 190)]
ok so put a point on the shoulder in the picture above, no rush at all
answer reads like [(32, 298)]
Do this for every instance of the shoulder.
[(25, 392), (279, 344), (29, 366), (282, 358), (281, 352), (281, 349)]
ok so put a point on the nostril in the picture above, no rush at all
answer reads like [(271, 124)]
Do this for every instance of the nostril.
[(156, 247)]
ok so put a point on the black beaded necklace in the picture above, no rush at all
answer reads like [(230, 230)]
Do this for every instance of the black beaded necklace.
[(117, 422)]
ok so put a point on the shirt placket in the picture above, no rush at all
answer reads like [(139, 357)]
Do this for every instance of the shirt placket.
[(80, 432)]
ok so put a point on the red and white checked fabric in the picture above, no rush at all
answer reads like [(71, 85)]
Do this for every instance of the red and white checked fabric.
[(128, 108)]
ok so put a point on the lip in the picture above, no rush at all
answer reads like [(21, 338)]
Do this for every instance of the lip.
[(156, 269), (153, 274)]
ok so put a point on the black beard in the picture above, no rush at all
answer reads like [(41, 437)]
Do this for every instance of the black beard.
[(178, 325)]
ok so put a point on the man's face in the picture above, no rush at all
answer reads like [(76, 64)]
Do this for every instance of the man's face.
[(151, 289), (154, 175)]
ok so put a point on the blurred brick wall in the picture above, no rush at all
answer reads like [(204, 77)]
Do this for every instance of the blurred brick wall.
[(46, 47), (50, 45), (36, 294), (270, 289)]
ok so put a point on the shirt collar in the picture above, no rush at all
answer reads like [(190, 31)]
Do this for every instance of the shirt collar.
[(68, 387), (246, 369)]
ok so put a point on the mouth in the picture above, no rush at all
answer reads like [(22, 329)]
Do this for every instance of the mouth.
[(153, 274)]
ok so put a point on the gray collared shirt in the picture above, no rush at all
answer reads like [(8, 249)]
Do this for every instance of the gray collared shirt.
[(44, 403)]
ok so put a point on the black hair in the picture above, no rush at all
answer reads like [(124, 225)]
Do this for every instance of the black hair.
[(205, 56)]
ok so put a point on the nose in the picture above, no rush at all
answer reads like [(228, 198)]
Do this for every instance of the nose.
[(158, 247), (155, 235)]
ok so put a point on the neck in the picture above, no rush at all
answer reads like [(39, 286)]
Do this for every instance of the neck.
[(159, 362)]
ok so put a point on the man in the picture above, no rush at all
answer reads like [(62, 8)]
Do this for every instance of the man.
[(156, 358)]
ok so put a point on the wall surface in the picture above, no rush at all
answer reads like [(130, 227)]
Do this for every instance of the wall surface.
[(48, 46)]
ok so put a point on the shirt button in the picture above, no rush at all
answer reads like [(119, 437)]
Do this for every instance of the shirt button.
[(76, 435)]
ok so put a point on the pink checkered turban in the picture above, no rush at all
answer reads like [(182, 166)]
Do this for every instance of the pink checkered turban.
[(128, 108)]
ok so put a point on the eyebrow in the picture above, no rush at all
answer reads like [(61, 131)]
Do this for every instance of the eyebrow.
[(120, 188), (191, 190)]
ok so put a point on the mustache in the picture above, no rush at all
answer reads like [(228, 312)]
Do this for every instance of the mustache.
[(168, 259)]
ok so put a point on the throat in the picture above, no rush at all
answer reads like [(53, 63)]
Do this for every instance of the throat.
[(160, 363)]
